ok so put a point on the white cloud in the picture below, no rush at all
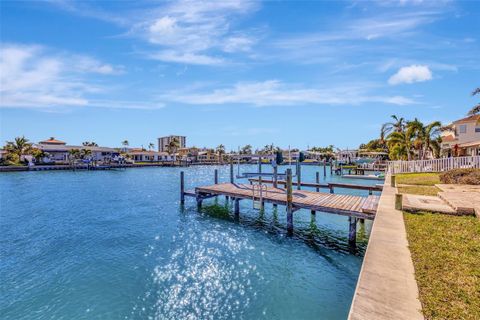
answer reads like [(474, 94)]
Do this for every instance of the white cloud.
[(411, 74), (189, 31), (186, 57), (276, 93), (33, 76)]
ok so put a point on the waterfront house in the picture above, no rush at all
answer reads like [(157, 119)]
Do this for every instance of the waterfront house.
[(140, 155), (58, 151), (462, 137)]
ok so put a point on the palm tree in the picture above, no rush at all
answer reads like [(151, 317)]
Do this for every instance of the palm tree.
[(151, 146), (400, 144), (398, 125), (125, 144), (475, 109), (20, 146), (89, 144), (246, 149), (85, 153), (173, 146), (38, 154), (220, 151), (73, 156)]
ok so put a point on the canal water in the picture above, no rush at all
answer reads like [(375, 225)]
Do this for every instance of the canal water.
[(117, 245)]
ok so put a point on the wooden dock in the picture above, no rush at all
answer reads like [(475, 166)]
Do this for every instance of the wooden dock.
[(355, 207), (317, 186), (347, 205)]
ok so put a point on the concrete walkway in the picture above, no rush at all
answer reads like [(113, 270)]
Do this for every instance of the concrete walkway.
[(415, 203), (386, 287)]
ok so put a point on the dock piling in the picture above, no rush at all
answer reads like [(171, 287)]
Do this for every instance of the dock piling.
[(393, 181), (199, 204), (216, 176), (352, 231), (182, 187), (398, 201), (299, 176), (317, 180), (231, 171), (289, 203), (275, 176), (237, 208), (324, 168)]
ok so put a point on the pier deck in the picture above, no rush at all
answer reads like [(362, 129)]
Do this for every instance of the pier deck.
[(347, 205)]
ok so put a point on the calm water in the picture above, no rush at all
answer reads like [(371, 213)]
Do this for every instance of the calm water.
[(117, 245)]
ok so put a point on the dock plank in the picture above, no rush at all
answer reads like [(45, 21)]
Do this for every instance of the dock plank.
[(333, 203)]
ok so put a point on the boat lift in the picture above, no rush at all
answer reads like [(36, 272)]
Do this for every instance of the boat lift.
[(259, 174)]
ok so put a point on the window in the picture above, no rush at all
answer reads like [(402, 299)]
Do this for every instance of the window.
[(477, 129), (462, 128)]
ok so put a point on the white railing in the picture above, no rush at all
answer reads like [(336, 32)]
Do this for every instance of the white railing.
[(434, 165)]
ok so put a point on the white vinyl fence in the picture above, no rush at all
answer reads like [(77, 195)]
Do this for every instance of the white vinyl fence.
[(434, 165)]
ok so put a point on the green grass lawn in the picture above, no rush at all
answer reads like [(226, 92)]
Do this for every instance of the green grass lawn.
[(446, 255), (421, 190), (419, 179)]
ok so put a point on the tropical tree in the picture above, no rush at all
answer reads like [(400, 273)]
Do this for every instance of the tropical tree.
[(247, 149), (89, 144), (172, 146), (220, 151), (19, 147), (38, 154), (151, 146), (397, 125), (375, 145), (475, 109), (400, 144), (73, 156), (84, 153), (425, 136)]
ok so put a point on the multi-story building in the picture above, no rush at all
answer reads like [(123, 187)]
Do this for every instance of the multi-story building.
[(462, 137), (163, 142)]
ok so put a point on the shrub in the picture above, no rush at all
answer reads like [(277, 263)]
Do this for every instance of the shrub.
[(461, 176), (11, 159)]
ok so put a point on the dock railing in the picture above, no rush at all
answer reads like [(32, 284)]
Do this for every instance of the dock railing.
[(433, 165)]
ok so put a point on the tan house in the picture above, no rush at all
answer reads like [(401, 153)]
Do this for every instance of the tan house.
[(462, 137)]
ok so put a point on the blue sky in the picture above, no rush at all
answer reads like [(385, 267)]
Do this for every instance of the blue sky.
[(298, 73)]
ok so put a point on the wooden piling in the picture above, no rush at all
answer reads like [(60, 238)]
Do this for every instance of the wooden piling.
[(199, 204), (259, 164), (312, 212), (182, 187), (237, 208), (299, 176), (325, 168), (317, 180), (398, 201), (215, 176), (393, 181), (331, 167), (275, 176), (331, 188), (352, 231), (289, 202), (231, 171)]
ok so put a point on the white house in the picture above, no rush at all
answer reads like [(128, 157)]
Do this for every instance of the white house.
[(462, 137)]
